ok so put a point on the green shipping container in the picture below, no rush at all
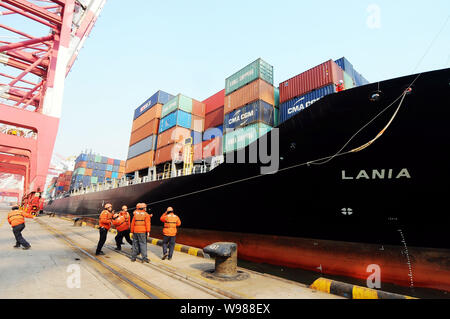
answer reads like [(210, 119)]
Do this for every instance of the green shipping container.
[(81, 171), (98, 159), (244, 136), (277, 97), (94, 180), (348, 81), (258, 69), (180, 102)]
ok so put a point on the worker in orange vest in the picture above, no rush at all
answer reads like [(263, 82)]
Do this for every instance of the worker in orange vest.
[(121, 222), (140, 228), (340, 86), (16, 218), (171, 222), (104, 223), (33, 207)]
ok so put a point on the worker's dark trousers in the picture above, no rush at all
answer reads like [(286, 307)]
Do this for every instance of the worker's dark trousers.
[(139, 245), (171, 241), (101, 242), (121, 235), (17, 230)]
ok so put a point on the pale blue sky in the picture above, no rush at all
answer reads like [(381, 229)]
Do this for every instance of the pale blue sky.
[(190, 47)]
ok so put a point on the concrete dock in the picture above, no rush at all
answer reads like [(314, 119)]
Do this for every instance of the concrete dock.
[(62, 264)]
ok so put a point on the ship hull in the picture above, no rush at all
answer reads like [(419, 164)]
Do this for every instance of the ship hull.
[(383, 205)]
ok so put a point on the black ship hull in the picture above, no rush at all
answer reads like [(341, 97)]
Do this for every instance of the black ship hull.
[(384, 204)]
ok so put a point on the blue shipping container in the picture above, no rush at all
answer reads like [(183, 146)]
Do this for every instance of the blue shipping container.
[(104, 160), (101, 173), (179, 118), (91, 158), (116, 163), (115, 168), (81, 158), (346, 66), (258, 111), (90, 165), (115, 175), (197, 137), (101, 179), (213, 132), (109, 167), (292, 107), (160, 97)]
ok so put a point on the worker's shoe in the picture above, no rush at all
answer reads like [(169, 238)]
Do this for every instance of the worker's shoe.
[(17, 246), (26, 247), (118, 248), (146, 260), (170, 258), (133, 260), (99, 253), (165, 256)]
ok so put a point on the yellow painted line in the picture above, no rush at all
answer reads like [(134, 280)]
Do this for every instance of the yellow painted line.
[(178, 247), (364, 293), (155, 241), (193, 251), (322, 284)]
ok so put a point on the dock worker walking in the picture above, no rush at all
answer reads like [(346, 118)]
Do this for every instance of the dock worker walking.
[(16, 218), (104, 222), (340, 86), (121, 221), (171, 222), (140, 228)]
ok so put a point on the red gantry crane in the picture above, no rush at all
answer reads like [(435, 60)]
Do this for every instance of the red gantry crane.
[(32, 73)]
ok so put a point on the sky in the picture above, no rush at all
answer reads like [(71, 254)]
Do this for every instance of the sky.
[(190, 47)]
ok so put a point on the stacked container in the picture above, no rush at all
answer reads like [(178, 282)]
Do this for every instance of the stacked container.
[(250, 105), (146, 122), (181, 118), (93, 169), (62, 182)]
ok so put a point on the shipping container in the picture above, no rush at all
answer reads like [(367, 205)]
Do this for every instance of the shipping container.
[(213, 132), (322, 75), (82, 164), (115, 168), (140, 162), (277, 96), (197, 123), (90, 165), (214, 118), (168, 153), (88, 172), (110, 161), (144, 146), (175, 134), (212, 147), (109, 167), (104, 160), (256, 90), (255, 112), (98, 159), (177, 118), (81, 157), (108, 174), (81, 171), (115, 175), (116, 162), (214, 102), (91, 157), (197, 137), (122, 163), (198, 108), (345, 65), (159, 97), (292, 107), (151, 128), (101, 179), (258, 69), (244, 136), (153, 113), (121, 169), (180, 102), (198, 152), (348, 81)]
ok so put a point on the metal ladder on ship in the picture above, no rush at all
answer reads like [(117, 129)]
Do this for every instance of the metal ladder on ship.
[(188, 160), (167, 170)]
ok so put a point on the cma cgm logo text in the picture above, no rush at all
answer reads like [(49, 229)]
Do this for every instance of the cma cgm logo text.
[(146, 105), (241, 117), (377, 174), (299, 107)]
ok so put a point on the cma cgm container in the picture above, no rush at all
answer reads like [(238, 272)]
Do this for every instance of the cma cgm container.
[(159, 97), (140, 162), (151, 128), (180, 102), (258, 111), (176, 134), (244, 136), (258, 69), (297, 104), (179, 118), (214, 102), (257, 90), (322, 75), (144, 146)]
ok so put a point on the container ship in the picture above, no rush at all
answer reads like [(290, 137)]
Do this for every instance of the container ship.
[(353, 185)]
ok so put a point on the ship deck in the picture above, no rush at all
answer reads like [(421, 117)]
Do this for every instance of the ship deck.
[(62, 264)]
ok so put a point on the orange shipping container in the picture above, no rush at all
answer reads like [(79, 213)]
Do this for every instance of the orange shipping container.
[(151, 128), (175, 134), (198, 108), (140, 162), (88, 172), (153, 113), (122, 163), (82, 164), (168, 153), (256, 90), (198, 123), (122, 169), (108, 174)]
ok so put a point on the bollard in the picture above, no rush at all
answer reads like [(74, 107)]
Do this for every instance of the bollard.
[(225, 255)]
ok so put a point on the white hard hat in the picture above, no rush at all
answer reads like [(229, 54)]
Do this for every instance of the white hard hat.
[(340, 81)]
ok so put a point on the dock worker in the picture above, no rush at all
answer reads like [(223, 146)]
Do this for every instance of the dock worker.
[(33, 207), (104, 223), (140, 228), (121, 222), (340, 86), (171, 222), (16, 218)]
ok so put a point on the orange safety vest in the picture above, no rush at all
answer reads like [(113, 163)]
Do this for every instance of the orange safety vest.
[(119, 222), (141, 222), (17, 217), (171, 222), (126, 215), (340, 87), (105, 219)]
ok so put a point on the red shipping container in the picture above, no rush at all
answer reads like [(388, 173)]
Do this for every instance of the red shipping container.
[(110, 161), (214, 118), (140, 162), (151, 128), (198, 108), (198, 151), (175, 134), (169, 152), (215, 101), (212, 147), (324, 74), (88, 172)]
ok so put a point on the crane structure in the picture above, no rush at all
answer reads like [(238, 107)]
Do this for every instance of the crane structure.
[(33, 69)]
